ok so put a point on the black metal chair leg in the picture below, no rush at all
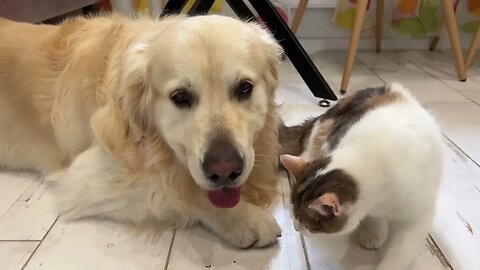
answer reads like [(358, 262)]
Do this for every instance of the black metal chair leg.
[(299, 58), (324, 103), (173, 7), (201, 7), (294, 50), (242, 11)]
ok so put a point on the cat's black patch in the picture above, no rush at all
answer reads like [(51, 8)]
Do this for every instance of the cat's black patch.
[(293, 138), (348, 111), (336, 181), (316, 166), (344, 114)]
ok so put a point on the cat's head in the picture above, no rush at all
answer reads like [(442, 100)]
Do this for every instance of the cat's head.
[(322, 200)]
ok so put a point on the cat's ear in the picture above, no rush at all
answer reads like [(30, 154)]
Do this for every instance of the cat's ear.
[(295, 165), (327, 204)]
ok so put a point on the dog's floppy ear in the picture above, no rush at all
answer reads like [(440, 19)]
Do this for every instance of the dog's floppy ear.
[(260, 188), (272, 50), (135, 95), (122, 123)]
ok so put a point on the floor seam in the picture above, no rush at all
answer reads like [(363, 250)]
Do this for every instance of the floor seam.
[(438, 79), (170, 250), (40, 243), (305, 252), (19, 240), (461, 150)]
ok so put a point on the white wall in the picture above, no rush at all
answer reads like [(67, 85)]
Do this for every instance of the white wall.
[(318, 32)]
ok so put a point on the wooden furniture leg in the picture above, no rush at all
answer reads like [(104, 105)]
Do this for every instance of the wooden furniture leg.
[(302, 5), (379, 29), (451, 22), (472, 49), (433, 43), (353, 43)]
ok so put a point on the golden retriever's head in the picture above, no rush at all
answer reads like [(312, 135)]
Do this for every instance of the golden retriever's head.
[(206, 85)]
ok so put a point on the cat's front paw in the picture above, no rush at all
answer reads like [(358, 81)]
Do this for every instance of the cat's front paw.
[(372, 234), (370, 240), (258, 229)]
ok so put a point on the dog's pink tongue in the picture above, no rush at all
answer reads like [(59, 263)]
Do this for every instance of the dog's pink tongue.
[(226, 197)]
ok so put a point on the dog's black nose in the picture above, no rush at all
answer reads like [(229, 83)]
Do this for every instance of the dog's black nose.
[(222, 163)]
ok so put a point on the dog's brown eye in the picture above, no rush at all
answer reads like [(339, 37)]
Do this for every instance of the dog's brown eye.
[(182, 98), (244, 90)]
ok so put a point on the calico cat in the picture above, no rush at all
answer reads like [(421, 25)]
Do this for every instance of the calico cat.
[(372, 162)]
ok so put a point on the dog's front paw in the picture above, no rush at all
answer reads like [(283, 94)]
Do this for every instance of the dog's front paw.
[(246, 226), (256, 230)]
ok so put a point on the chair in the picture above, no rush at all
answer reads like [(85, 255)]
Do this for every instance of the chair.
[(361, 8), (472, 49)]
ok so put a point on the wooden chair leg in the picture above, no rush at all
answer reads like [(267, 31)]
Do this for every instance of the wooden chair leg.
[(433, 43), (302, 5), (353, 43), (472, 49), (451, 22), (379, 29)]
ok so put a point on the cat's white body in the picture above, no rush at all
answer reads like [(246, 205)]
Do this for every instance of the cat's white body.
[(394, 152)]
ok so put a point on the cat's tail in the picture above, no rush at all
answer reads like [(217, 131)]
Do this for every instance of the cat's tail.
[(292, 139)]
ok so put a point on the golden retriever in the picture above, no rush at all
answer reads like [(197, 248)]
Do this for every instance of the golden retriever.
[(138, 119)]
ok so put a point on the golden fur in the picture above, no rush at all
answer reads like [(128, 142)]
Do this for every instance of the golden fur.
[(85, 100)]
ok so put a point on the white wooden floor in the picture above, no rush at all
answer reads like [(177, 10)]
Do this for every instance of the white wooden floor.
[(33, 237)]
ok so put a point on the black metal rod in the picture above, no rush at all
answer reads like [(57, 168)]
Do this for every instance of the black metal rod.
[(294, 50), (173, 7), (201, 7), (242, 11)]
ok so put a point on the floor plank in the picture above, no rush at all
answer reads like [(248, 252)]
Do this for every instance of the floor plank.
[(391, 67), (295, 114), (461, 123), (456, 229), (443, 68), (343, 253), (31, 216), (14, 255), (196, 249), (94, 244), (472, 94), (330, 64), (13, 185), (475, 63)]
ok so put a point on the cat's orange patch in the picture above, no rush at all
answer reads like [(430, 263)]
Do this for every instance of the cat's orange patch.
[(382, 100)]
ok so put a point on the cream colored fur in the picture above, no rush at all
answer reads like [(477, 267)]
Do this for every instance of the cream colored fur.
[(87, 103)]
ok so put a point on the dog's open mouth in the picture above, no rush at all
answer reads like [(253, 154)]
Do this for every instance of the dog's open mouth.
[(226, 197)]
